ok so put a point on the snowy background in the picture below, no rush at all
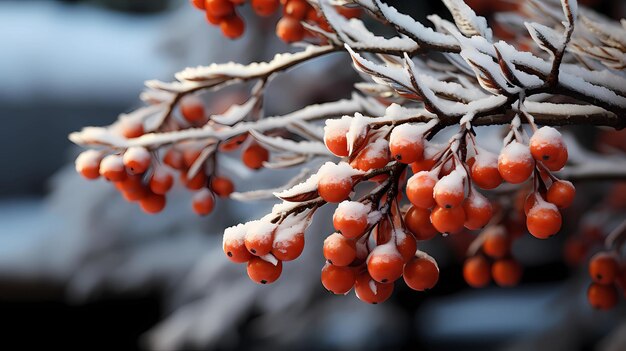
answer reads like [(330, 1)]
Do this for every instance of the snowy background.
[(80, 267)]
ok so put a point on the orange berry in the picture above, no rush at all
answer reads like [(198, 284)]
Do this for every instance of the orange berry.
[(254, 156), (338, 280), (222, 186), (265, 7), (88, 164), (421, 273), (603, 268), (449, 191), (419, 189), (546, 145), (349, 12), (132, 188), (333, 188), (543, 220), (561, 193), (371, 291), (497, 243), (515, 163), (339, 250), (232, 26), (296, 9), (152, 203), (260, 238), (161, 181), (506, 272), (191, 154), (350, 218), (288, 248), (136, 160), (214, 20), (406, 244), (484, 171), (289, 29), (602, 297), (374, 156), (234, 246), (203, 202), (263, 272), (477, 272), (423, 165), (335, 136), (197, 182), (131, 129), (406, 143), (199, 4), (233, 143), (417, 220), (478, 211), (448, 220), (174, 159), (238, 2), (557, 163), (385, 263), (574, 251), (219, 8), (192, 109), (112, 168)]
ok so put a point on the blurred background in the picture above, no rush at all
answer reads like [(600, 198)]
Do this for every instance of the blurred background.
[(79, 267)]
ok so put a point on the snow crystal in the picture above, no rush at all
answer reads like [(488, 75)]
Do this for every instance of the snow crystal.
[(485, 158), (335, 126), (478, 200), (260, 230), (289, 233), (407, 133), (546, 37), (450, 184), (424, 255), (136, 153), (516, 152), (377, 149), (547, 136), (235, 234), (111, 163), (353, 209), (269, 258), (373, 286)]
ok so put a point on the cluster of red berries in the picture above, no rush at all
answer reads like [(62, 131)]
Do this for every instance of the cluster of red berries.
[(494, 261), (140, 178), (607, 273), (264, 245), (289, 28)]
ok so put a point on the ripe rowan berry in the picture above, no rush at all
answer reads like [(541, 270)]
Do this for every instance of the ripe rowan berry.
[(543, 220), (265, 7), (197, 182), (350, 218), (449, 191), (234, 244), (515, 163), (417, 220), (335, 136), (259, 238), (222, 186), (406, 143), (602, 297), (557, 163), (338, 280), (88, 164), (288, 247), (477, 272), (233, 143), (174, 159), (112, 168), (334, 188), (132, 188), (219, 8), (547, 144), (136, 160), (497, 243), (603, 268), (506, 272), (423, 165), (448, 220), (254, 156), (406, 244), (478, 211), (371, 291), (574, 251), (289, 29), (374, 156), (131, 129), (263, 272), (484, 171), (152, 203), (349, 12), (203, 202), (192, 109), (161, 181), (385, 263), (339, 250), (199, 4), (232, 26), (296, 9), (561, 193), (420, 188), (421, 273)]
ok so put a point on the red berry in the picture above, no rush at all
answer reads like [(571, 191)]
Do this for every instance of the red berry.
[(234, 244), (417, 220), (484, 171), (222, 186), (339, 250), (543, 220), (449, 191), (263, 272), (419, 189), (334, 188), (136, 160), (602, 297), (477, 272), (350, 218), (288, 247), (515, 163), (265, 7), (338, 280), (161, 181), (88, 164), (203, 202), (152, 203), (603, 268), (385, 263), (448, 220), (371, 291), (506, 272), (421, 273), (289, 29), (478, 211), (497, 243), (254, 156), (561, 193), (406, 143), (232, 26), (219, 8)]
